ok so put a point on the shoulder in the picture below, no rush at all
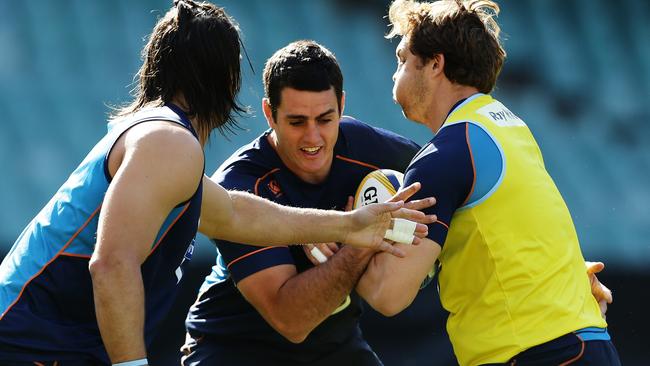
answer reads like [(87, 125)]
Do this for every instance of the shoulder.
[(445, 159), (374, 145), (247, 165), (354, 128), (164, 139), (488, 161), (166, 148), (449, 144)]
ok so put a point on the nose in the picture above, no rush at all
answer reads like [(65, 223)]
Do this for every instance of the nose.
[(313, 135)]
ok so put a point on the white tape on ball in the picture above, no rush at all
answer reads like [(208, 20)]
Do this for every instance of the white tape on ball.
[(316, 253)]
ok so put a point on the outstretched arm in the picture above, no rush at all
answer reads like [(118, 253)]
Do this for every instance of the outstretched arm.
[(245, 218)]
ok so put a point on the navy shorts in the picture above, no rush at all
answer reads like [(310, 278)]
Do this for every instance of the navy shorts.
[(587, 347), (204, 351)]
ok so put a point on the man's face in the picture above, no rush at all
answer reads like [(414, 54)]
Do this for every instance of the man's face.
[(305, 130), (409, 82)]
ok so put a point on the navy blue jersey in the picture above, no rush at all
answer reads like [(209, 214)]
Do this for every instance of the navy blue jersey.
[(456, 153), (220, 311), (47, 311)]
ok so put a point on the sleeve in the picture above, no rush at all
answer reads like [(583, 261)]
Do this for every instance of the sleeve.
[(385, 148), (445, 169), (244, 260)]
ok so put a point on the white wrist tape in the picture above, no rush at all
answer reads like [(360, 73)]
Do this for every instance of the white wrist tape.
[(402, 231), (316, 253), (140, 362)]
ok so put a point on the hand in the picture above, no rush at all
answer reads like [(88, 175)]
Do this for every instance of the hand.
[(326, 249), (416, 205), (602, 294), (368, 225)]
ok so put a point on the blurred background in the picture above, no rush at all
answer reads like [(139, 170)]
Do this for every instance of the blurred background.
[(578, 72)]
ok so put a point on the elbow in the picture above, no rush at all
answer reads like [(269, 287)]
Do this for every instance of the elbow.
[(387, 305), (389, 309), (106, 269), (98, 267), (294, 333)]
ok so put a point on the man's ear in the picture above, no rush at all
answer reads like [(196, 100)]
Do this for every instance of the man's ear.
[(438, 63), (342, 103), (268, 112)]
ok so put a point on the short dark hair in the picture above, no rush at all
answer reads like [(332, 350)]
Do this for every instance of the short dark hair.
[(464, 31), (194, 51), (301, 65)]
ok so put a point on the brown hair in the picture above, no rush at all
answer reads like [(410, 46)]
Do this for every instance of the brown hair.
[(464, 31)]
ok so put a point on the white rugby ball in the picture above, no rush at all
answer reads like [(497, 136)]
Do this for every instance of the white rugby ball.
[(377, 187)]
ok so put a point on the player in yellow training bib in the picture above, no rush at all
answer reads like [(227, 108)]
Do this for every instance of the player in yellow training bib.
[(512, 275)]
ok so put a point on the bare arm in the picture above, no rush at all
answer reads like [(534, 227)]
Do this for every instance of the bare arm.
[(389, 285), (296, 303), (141, 195), (245, 218)]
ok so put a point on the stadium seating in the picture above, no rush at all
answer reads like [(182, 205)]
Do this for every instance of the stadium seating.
[(579, 78)]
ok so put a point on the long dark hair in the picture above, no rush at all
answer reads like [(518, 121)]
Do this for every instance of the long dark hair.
[(193, 52)]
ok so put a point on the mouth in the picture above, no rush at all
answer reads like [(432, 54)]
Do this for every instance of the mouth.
[(311, 150)]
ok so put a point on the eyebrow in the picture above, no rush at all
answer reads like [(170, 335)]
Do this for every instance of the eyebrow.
[(301, 116)]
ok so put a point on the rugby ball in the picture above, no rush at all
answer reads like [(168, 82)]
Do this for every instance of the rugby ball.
[(377, 187)]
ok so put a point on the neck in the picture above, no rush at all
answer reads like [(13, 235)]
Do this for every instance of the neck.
[(179, 101), (443, 102)]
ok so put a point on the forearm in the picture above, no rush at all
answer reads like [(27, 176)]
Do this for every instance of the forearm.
[(310, 297), (259, 221), (119, 305), (389, 284)]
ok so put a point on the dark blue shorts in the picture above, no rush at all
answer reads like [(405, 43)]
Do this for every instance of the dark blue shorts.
[(585, 347), (204, 351)]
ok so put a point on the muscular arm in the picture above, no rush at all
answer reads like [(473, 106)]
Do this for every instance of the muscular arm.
[(245, 218), (295, 303), (389, 285), (143, 192)]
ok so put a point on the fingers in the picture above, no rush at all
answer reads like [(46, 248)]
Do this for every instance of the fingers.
[(606, 292), (328, 249), (320, 253), (406, 192), (307, 248), (401, 231), (421, 230), (601, 293), (603, 308), (594, 267), (349, 204), (387, 207), (420, 204), (387, 247), (414, 215)]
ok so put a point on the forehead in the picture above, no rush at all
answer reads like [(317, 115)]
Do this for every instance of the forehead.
[(303, 102), (402, 46)]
